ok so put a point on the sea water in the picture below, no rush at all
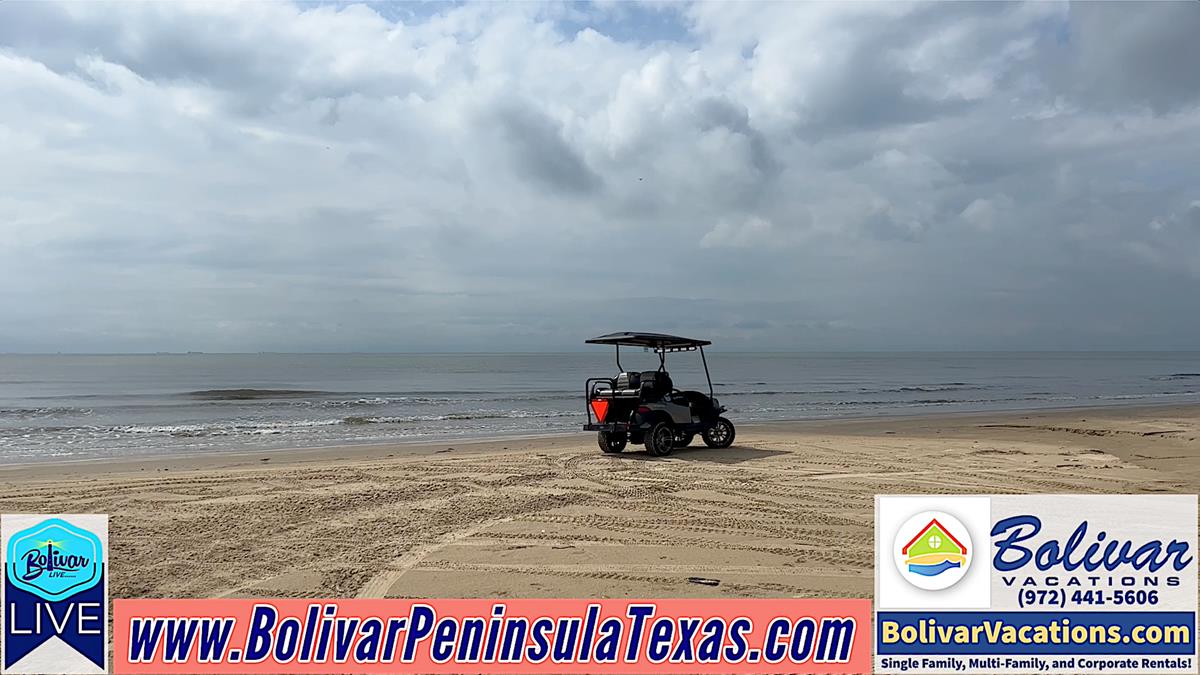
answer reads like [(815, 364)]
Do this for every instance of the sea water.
[(84, 406)]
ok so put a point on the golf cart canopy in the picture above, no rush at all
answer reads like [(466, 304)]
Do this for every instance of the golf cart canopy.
[(657, 341)]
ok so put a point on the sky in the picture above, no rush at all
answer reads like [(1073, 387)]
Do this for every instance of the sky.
[(519, 177)]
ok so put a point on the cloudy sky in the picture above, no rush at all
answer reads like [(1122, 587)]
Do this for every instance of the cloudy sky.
[(243, 177)]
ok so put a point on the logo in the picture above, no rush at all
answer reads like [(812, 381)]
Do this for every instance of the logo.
[(933, 550), (55, 594), (1104, 552), (55, 559)]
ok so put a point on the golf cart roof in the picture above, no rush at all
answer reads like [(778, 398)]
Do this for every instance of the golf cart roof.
[(654, 340)]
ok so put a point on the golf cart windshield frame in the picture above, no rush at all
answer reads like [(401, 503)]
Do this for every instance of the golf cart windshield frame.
[(660, 343)]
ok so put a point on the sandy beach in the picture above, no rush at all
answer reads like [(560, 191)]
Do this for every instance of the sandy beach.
[(785, 512)]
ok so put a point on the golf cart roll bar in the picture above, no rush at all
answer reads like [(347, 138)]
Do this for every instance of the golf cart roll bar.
[(660, 343)]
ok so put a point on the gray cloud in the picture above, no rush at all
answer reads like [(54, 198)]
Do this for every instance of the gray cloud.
[(1119, 55), (541, 153), (799, 176)]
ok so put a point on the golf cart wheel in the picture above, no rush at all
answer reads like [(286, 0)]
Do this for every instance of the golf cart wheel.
[(684, 439), (611, 441), (660, 440), (720, 434)]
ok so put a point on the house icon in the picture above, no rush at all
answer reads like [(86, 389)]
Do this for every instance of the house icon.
[(930, 539), (934, 550)]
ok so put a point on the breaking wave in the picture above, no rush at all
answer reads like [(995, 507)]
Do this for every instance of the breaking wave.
[(35, 413), (952, 386), (498, 415), (247, 394), (272, 427), (920, 388)]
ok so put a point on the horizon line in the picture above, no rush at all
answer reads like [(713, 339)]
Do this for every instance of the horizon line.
[(590, 351)]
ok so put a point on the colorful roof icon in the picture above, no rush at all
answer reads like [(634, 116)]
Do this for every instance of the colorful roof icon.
[(930, 538)]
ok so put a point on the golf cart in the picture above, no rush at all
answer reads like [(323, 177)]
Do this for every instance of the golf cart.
[(646, 407)]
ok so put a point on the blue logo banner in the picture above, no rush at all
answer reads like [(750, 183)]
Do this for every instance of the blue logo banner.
[(78, 621), (55, 559), (55, 592), (1039, 633)]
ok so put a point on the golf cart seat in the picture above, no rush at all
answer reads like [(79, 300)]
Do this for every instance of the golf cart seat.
[(655, 385), (646, 386), (628, 386)]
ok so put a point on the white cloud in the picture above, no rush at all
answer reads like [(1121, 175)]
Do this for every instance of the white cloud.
[(753, 231), (986, 212), (213, 176)]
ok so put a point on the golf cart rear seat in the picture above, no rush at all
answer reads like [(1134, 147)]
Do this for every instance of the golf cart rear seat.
[(650, 385), (628, 385)]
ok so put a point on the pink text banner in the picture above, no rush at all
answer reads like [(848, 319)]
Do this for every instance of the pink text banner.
[(492, 636)]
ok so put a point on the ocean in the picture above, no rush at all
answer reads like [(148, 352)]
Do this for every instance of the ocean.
[(89, 406)]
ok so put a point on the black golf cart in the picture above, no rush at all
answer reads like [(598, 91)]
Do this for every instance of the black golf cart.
[(646, 407)]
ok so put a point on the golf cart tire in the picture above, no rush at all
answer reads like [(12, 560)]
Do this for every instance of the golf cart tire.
[(661, 439), (684, 439), (611, 442), (720, 434)]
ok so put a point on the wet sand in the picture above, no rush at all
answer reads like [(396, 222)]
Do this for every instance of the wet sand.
[(786, 511)]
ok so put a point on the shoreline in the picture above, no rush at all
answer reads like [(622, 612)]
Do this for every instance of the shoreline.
[(96, 409), (556, 517), (221, 459)]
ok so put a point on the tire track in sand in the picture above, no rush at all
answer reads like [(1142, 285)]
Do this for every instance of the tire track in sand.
[(378, 586)]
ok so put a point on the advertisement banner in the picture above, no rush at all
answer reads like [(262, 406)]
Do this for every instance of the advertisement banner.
[(1035, 583), (55, 593), (492, 636)]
